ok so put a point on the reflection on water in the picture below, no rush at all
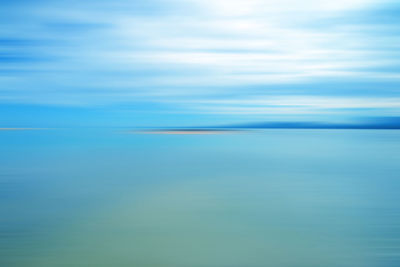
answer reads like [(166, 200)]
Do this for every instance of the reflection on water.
[(264, 198)]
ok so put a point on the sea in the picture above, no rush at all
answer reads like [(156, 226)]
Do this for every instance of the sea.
[(256, 198)]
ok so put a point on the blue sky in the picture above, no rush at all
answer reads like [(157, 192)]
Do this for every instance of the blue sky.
[(196, 62)]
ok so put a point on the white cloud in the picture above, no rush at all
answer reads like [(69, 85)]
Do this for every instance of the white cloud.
[(248, 41), (291, 105), (255, 7)]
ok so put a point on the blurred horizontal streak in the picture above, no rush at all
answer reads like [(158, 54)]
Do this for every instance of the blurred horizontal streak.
[(76, 27), (22, 129), (17, 58), (189, 131), (14, 42)]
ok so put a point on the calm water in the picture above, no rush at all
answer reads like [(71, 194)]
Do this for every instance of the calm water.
[(293, 198)]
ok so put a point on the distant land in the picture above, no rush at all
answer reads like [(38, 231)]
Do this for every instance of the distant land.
[(375, 123), (384, 125)]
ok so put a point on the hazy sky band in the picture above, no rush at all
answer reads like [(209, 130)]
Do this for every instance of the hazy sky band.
[(229, 58)]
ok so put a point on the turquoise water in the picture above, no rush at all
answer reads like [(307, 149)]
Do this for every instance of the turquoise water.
[(106, 197)]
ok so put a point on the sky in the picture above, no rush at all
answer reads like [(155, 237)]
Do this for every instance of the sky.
[(197, 62)]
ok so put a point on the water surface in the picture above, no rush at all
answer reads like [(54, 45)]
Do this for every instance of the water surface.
[(108, 197)]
